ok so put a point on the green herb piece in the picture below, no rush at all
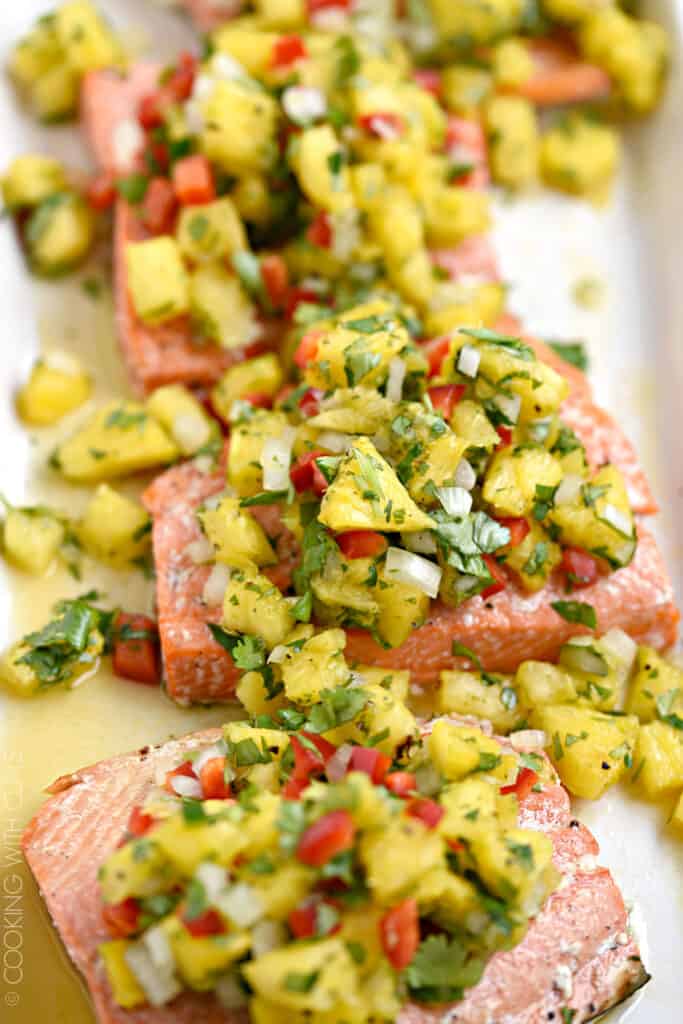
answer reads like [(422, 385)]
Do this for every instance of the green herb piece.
[(573, 352), (196, 900), (440, 970), (515, 346), (298, 982), (133, 187), (335, 707), (193, 812), (537, 559), (245, 753), (264, 498), (460, 651), (576, 611), (123, 420)]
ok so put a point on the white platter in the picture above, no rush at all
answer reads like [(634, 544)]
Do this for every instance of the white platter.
[(635, 340)]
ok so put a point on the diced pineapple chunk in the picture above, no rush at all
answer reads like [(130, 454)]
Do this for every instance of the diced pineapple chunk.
[(513, 476), (157, 279), (513, 138), (397, 856), (183, 417), (200, 959), (676, 820), (493, 699), (516, 866), (210, 232), (123, 983), (114, 528), (255, 606), (59, 233), (31, 178), (31, 539), (221, 307), (534, 559), (86, 40), (366, 494), (658, 760), (240, 121), (238, 538), (52, 391), (317, 664), (402, 608), (246, 446), (601, 519), (320, 165), (590, 750), (457, 750), (119, 439), (327, 961), (541, 683), (261, 375), (181, 846), (656, 684), (54, 96)]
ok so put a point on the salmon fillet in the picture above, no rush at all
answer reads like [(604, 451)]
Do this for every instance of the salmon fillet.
[(503, 630), (577, 952)]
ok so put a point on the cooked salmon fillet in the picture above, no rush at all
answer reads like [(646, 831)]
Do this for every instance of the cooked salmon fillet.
[(577, 953), (503, 630)]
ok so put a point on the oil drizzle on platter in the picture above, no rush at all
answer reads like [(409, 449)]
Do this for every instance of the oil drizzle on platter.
[(56, 733)]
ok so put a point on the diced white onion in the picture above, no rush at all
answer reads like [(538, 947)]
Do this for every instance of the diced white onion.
[(215, 750), (185, 785), (204, 464), (229, 992), (156, 942), (203, 87), (335, 441), (200, 550), (614, 517), (465, 476), (528, 739), (225, 66), (159, 986), (381, 440), (276, 456), (213, 501), (267, 935), (128, 140), (413, 569), (397, 373), (422, 542), (303, 103), (213, 878), (509, 405), (338, 764), (329, 19), (216, 584), (191, 431), (468, 361), (61, 361), (242, 904), (346, 233), (568, 490), (278, 654), (194, 118), (464, 584), (456, 500), (621, 646)]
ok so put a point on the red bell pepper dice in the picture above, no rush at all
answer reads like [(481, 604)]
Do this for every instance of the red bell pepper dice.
[(181, 82), (326, 838), (326, 5), (135, 653), (159, 206), (309, 403), (523, 784), (185, 769), (362, 543), (212, 779), (505, 435), (122, 919), (151, 109), (370, 761), (207, 923), (445, 398), (308, 346), (302, 920), (428, 79), (275, 278), (518, 527), (581, 568), (499, 577), (287, 50), (429, 812), (435, 352), (400, 783), (384, 125), (139, 823), (101, 191), (193, 180), (319, 231), (400, 933), (306, 476)]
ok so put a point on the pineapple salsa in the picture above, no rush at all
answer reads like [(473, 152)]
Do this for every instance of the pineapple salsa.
[(327, 862)]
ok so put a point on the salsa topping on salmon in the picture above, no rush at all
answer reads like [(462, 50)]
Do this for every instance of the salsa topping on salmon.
[(309, 863)]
